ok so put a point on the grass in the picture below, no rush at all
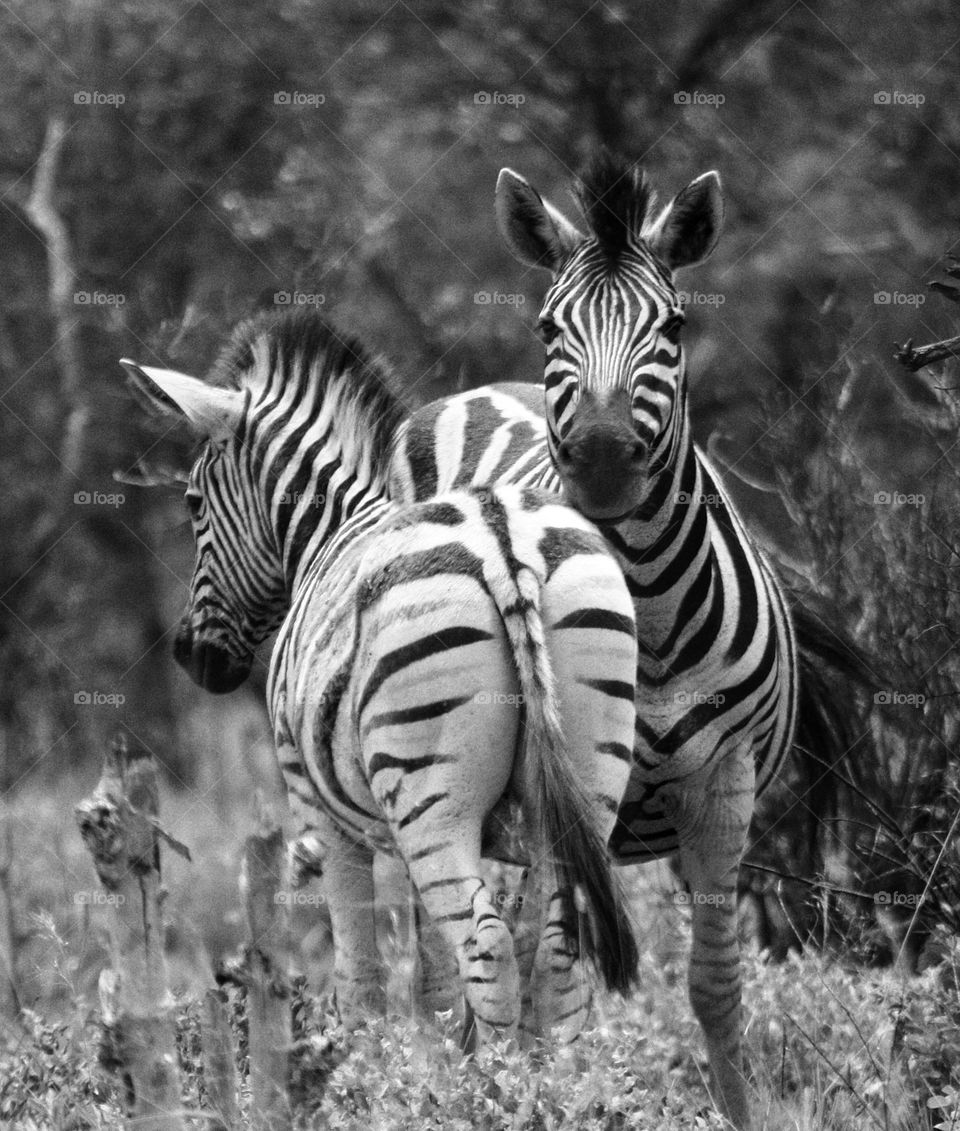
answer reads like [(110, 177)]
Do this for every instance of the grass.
[(830, 1045)]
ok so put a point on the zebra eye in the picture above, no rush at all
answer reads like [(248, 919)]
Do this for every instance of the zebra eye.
[(672, 327), (547, 329), (194, 502)]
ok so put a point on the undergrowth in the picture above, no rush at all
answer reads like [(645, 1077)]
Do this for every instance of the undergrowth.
[(830, 1048)]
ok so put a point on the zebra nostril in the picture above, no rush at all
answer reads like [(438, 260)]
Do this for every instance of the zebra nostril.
[(563, 453), (639, 452)]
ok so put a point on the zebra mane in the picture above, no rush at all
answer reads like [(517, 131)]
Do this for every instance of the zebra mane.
[(301, 346), (616, 201)]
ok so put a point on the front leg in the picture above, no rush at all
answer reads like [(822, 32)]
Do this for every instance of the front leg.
[(712, 816)]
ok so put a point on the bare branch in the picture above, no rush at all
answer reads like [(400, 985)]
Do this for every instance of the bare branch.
[(147, 475), (913, 357), (42, 211)]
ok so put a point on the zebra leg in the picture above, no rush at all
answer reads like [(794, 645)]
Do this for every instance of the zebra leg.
[(436, 987), (584, 650), (359, 979), (713, 823), (464, 912), (440, 973), (560, 991)]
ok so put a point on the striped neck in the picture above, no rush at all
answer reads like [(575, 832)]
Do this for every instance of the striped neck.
[(318, 434), (316, 477)]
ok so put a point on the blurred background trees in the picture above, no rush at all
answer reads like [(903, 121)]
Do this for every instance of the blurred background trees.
[(221, 159)]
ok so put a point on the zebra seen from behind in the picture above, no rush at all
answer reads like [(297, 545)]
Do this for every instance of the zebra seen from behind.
[(717, 669), (445, 675)]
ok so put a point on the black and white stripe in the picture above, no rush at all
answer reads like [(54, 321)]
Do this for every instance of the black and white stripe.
[(716, 675), (447, 675)]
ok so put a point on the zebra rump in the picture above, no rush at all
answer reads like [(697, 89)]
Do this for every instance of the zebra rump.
[(554, 800)]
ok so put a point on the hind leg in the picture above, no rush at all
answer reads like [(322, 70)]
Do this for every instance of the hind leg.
[(559, 997), (464, 912), (436, 988), (587, 644), (436, 804)]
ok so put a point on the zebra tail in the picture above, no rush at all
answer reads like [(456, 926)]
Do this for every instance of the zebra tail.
[(826, 722), (557, 806), (828, 743)]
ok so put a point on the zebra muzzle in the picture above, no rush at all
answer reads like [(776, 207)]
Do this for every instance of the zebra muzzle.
[(208, 663), (602, 460)]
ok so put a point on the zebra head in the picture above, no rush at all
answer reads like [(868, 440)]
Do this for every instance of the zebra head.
[(611, 321), (297, 423), (237, 594)]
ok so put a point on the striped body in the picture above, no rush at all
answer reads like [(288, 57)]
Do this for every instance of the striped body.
[(397, 697), (716, 675), (450, 679), (458, 441)]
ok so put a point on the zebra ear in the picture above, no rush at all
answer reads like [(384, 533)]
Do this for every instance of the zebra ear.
[(687, 230), (536, 232), (211, 411)]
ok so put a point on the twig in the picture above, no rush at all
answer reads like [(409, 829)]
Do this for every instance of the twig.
[(819, 885), (913, 357)]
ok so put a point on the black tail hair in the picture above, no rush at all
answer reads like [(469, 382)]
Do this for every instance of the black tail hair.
[(836, 676), (833, 670)]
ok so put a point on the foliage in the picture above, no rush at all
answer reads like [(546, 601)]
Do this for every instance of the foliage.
[(51, 1077), (875, 522), (829, 1047)]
